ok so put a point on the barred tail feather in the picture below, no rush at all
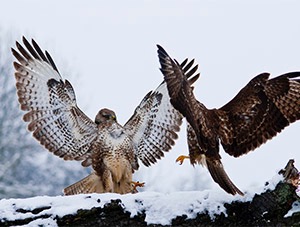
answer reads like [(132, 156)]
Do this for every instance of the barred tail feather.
[(90, 184)]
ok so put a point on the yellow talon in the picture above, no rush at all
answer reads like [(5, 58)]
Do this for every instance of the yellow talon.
[(181, 158), (136, 184)]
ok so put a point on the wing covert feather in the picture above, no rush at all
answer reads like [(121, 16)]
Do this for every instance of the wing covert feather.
[(261, 110), (50, 104), (154, 126)]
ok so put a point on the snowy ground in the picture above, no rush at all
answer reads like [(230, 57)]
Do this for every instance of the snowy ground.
[(160, 208)]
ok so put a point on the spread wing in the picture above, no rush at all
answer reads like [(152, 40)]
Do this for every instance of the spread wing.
[(50, 105), (154, 126), (256, 114), (259, 111), (263, 108), (179, 87), (202, 140), (155, 122), (181, 93), (182, 98)]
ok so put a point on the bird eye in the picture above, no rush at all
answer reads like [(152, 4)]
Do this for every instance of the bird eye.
[(107, 116)]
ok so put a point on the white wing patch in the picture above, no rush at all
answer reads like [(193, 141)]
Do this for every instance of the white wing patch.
[(53, 116), (154, 125)]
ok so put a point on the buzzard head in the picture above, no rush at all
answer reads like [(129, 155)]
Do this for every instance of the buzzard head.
[(105, 115)]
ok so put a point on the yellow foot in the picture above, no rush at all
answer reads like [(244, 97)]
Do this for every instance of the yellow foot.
[(136, 184), (181, 158)]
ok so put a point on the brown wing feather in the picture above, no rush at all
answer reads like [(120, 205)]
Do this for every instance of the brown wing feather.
[(182, 98), (179, 87), (258, 112), (50, 105), (202, 137)]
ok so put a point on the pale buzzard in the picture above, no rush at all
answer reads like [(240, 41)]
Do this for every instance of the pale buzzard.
[(61, 127), (257, 113)]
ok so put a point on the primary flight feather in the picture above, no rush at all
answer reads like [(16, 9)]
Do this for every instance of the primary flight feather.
[(61, 127), (262, 109)]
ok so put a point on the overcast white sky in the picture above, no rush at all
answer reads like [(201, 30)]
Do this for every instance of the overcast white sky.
[(107, 49)]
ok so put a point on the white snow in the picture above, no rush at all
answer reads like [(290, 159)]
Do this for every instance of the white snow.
[(159, 208), (295, 208)]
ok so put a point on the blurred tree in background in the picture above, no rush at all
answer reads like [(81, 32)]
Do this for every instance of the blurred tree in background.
[(26, 168)]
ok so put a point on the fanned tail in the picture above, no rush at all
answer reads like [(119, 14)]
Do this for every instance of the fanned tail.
[(90, 184)]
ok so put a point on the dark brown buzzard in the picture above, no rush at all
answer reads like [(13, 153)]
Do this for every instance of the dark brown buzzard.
[(263, 108)]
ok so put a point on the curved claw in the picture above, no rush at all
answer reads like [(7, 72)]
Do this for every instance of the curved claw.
[(136, 184), (181, 158)]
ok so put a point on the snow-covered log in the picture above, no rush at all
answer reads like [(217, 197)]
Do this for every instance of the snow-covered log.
[(276, 204)]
